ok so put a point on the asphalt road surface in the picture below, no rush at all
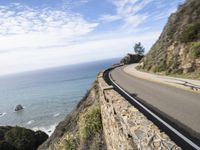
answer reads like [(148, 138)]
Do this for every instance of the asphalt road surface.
[(181, 105)]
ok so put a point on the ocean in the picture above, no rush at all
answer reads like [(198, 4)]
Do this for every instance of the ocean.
[(46, 95)]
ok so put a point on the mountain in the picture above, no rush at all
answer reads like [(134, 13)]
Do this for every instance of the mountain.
[(177, 51)]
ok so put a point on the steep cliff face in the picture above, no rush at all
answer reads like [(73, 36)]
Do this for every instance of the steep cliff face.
[(178, 47), (81, 129)]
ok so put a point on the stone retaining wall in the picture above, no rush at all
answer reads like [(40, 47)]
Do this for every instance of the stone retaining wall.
[(125, 128)]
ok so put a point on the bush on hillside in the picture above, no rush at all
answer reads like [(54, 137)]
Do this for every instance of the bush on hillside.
[(195, 50), (191, 33), (21, 138), (17, 138), (6, 146), (90, 123)]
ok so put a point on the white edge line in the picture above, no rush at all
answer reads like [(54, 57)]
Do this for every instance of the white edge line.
[(158, 118)]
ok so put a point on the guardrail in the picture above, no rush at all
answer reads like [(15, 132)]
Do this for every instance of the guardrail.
[(183, 141)]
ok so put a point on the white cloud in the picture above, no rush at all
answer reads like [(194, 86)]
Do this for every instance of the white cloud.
[(90, 49), (25, 32), (68, 4), (127, 10), (35, 38), (28, 27), (164, 14), (110, 18), (23, 20)]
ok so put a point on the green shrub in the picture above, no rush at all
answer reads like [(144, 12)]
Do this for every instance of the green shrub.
[(6, 146), (3, 130), (22, 139), (19, 138), (90, 123), (157, 68), (191, 33), (69, 143), (195, 50), (171, 31)]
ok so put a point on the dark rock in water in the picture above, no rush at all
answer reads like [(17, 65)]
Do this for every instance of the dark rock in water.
[(18, 107), (17, 138)]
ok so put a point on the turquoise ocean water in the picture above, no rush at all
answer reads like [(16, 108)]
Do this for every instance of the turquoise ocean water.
[(47, 95)]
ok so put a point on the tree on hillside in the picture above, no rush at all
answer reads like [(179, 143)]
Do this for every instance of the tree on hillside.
[(139, 49)]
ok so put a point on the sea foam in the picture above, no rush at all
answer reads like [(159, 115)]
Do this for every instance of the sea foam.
[(56, 115), (30, 122), (2, 114), (47, 129)]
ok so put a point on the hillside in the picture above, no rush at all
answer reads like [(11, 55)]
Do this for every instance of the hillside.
[(81, 129), (177, 51)]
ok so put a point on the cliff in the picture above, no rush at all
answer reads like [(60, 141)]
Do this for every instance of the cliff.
[(105, 120), (82, 128), (177, 51)]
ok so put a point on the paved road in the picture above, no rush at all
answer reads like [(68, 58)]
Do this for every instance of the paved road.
[(182, 83), (181, 105)]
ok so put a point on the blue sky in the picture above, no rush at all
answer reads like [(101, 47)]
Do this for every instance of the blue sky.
[(37, 34)]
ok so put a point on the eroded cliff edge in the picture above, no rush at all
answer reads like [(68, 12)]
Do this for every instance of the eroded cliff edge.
[(103, 119)]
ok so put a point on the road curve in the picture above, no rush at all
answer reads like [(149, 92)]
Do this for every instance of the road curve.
[(182, 107)]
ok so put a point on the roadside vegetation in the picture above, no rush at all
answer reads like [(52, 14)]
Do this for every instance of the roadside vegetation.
[(136, 57), (88, 134), (85, 129), (191, 33), (139, 49), (195, 50)]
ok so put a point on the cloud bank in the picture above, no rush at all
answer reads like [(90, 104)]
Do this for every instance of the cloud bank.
[(34, 38)]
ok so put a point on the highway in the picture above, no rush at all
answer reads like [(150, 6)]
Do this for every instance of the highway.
[(180, 106)]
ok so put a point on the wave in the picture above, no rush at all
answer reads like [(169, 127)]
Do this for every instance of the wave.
[(30, 122), (47, 129), (2, 114), (56, 115)]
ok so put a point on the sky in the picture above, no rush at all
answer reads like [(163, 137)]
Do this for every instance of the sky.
[(38, 34)]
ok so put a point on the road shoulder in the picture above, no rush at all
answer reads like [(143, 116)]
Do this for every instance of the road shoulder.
[(185, 84)]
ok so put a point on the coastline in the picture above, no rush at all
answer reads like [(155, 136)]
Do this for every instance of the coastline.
[(47, 129)]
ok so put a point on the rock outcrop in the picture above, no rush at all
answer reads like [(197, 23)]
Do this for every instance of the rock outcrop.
[(131, 58), (177, 50), (18, 107)]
